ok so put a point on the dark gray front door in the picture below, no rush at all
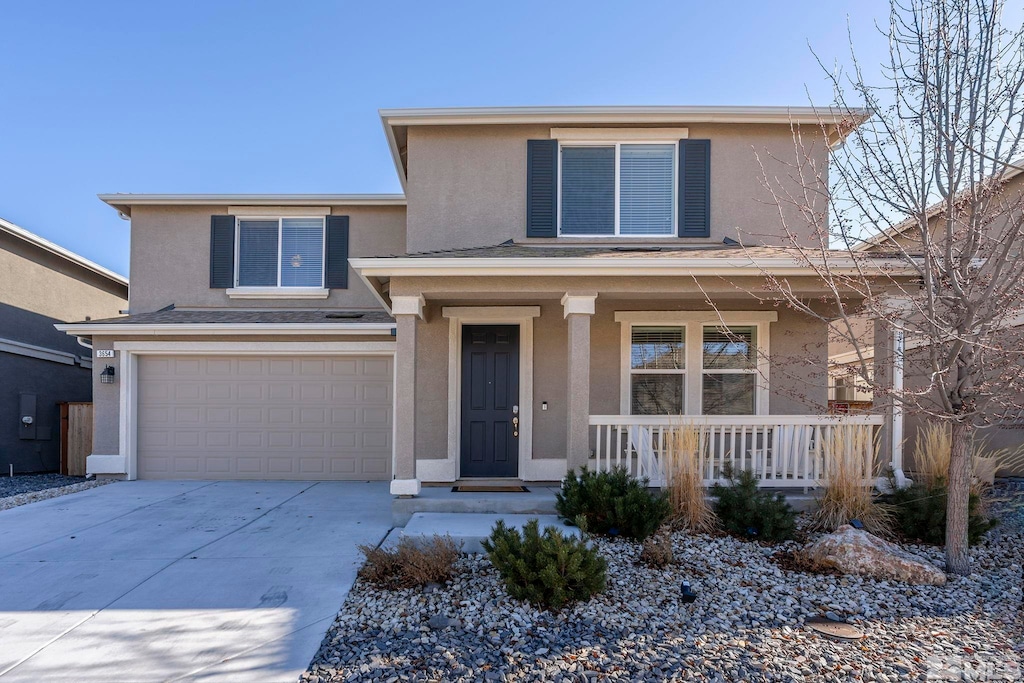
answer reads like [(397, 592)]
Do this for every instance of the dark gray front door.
[(490, 401)]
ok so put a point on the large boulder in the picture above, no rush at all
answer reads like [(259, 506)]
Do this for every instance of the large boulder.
[(852, 551)]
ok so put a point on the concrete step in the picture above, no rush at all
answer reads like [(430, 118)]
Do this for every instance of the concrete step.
[(470, 528), (539, 501)]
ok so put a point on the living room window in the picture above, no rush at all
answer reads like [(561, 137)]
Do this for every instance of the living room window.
[(657, 370), (694, 363), (280, 252), (618, 189), (729, 362)]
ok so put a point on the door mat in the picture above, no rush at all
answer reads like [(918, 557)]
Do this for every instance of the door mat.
[(479, 488)]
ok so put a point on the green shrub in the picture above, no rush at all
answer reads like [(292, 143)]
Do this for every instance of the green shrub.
[(748, 512), (921, 514), (612, 503), (549, 569)]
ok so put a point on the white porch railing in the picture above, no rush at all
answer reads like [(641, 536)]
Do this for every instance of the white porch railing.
[(785, 451)]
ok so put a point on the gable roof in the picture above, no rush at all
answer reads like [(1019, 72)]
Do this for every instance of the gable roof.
[(65, 254), (1013, 169), (396, 122)]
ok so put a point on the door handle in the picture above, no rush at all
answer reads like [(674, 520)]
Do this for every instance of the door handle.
[(515, 427)]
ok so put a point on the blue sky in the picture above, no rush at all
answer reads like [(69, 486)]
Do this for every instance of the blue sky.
[(250, 96)]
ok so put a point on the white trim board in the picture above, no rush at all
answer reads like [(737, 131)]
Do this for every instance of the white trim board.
[(201, 329), (578, 266), (448, 468)]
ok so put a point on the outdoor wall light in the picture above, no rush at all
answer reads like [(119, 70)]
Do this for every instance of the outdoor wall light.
[(107, 376)]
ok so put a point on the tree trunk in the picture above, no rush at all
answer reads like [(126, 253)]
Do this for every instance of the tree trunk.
[(958, 500)]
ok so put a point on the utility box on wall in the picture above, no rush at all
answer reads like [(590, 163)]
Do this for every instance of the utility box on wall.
[(27, 416)]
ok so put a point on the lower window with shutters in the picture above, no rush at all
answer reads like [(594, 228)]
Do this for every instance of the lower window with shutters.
[(279, 256)]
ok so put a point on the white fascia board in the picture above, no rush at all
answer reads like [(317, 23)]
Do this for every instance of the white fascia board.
[(60, 251), (389, 267), (168, 329), (620, 114), (124, 202)]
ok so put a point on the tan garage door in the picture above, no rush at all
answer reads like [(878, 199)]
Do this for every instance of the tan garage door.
[(248, 417)]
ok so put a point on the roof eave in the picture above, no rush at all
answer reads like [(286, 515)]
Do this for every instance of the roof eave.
[(824, 116), (576, 266), (166, 329), (57, 250), (124, 202)]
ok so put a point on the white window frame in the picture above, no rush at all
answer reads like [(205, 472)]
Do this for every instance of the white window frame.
[(275, 291), (617, 144), (730, 371), (666, 371), (694, 323)]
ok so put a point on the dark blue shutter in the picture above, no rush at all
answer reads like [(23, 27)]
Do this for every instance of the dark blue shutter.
[(336, 257), (541, 188), (694, 188), (222, 252)]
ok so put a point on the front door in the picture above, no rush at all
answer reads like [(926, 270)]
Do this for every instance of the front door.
[(490, 401)]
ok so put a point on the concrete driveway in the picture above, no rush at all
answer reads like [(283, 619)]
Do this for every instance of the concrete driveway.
[(155, 581)]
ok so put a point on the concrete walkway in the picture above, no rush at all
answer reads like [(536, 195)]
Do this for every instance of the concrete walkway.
[(157, 581)]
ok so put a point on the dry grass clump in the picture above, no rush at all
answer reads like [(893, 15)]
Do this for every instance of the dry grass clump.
[(657, 551), (684, 480), (849, 452), (933, 450), (410, 563)]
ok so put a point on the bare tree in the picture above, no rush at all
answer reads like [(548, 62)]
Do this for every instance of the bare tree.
[(928, 180)]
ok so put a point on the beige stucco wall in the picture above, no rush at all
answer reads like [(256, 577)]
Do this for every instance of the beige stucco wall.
[(38, 281), (170, 257), (797, 343), (467, 184)]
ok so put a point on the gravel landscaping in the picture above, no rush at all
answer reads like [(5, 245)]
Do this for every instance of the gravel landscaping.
[(748, 622), (29, 488)]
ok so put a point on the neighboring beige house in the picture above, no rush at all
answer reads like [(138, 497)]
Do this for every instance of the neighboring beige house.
[(41, 284), (1004, 431), (540, 298)]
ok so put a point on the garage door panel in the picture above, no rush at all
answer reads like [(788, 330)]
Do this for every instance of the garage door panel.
[(264, 418)]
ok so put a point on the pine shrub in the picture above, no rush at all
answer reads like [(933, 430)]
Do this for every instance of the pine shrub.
[(612, 503), (549, 570), (920, 511), (748, 512)]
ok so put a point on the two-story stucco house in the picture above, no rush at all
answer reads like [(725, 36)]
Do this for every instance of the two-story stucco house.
[(553, 288), (42, 283)]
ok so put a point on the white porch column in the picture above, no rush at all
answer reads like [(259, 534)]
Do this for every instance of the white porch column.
[(888, 376), (577, 309), (408, 311)]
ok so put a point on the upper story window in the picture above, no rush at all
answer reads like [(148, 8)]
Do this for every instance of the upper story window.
[(618, 189), (280, 252)]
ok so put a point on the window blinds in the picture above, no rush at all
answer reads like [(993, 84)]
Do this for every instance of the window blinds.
[(588, 191), (257, 253), (646, 179)]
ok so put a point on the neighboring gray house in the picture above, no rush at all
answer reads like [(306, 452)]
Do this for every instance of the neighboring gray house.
[(536, 300), (42, 284)]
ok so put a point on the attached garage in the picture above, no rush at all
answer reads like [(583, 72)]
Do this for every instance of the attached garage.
[(264, 417)]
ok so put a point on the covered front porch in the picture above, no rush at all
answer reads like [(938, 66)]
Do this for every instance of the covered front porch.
[(508, 370)]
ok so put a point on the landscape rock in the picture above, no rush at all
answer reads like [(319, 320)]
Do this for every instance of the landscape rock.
[(852, 551)]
